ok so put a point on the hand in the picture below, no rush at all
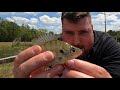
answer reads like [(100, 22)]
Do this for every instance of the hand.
[(32, 63), (82, 69)]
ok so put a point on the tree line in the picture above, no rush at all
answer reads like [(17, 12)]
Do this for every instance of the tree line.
[(9, 31), (115, 34)]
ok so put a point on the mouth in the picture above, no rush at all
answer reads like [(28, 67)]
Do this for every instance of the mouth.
[(79, 52), (82, 49), (76, 54)]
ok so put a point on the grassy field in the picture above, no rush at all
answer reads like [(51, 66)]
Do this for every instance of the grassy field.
[(5, 43), (6, 49), (6, 70)]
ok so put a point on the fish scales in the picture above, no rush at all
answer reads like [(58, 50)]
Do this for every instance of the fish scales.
[(62, 50)]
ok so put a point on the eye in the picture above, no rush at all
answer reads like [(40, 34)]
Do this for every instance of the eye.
[(50, 66), (72, 49), (61, 51)]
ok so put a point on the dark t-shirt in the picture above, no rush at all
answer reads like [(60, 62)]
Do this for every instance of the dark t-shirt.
[(105, 53)]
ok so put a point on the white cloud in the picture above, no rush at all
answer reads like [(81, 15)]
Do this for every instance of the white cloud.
[(13, 13), (10, 19), (20, 19), (33, 20), (33, 26), (98, 20), (115, 22), (113, 26), (31, 13), (99, 27), (101, 18), (112, 21), (48, 20), (7, 13), (59, 13), (56, 20), (55, 29), (111, 17), (111, 13), (58, 29)]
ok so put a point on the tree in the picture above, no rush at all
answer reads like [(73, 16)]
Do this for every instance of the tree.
[(9, 31)]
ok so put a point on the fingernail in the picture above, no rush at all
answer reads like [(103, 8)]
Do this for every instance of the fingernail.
[(70, 63), (36, 49), (48, 55)]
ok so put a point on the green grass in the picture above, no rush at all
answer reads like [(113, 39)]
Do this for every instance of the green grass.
[(6, 70), (6, 50)]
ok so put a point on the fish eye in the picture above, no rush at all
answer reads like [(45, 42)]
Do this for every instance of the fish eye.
[(72, 50), (50, 66), (61, 51)]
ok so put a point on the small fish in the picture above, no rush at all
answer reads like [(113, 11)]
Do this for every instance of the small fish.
[(62, 50)]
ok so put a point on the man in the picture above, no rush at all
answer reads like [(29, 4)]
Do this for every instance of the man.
[(100, 57)]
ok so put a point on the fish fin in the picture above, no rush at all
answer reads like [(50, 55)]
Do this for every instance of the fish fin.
[(16, 41), (44, 38)]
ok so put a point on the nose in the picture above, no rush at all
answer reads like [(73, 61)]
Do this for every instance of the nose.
[(76, 40)]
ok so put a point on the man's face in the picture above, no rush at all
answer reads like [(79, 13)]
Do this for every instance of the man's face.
[(78, 34)]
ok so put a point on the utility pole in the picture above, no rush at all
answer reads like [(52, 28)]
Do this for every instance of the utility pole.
[(105, 20)]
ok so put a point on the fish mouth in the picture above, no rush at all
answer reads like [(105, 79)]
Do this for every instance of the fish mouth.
[(76, 54)]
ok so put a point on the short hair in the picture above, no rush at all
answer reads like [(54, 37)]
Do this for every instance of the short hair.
[(75, 16)]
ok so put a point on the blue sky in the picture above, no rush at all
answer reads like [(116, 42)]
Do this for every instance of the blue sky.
[(51, 20)]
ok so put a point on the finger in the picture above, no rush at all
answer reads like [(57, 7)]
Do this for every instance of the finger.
[(27, 54), (35, 62), (74, 74), (56, 77), (88, 68), (57, 70), (51, 73), (39, 70)]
